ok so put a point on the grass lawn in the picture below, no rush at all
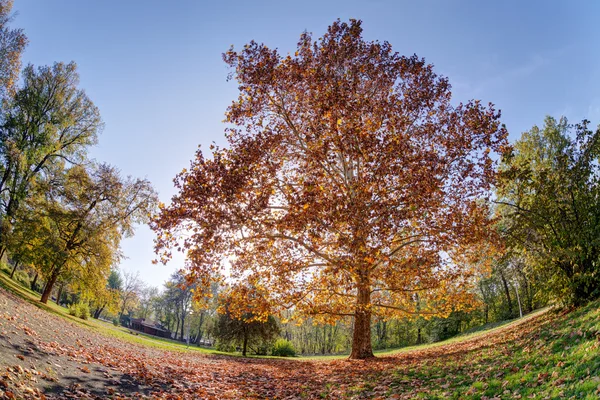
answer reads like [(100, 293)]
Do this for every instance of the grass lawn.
[(549, 354)]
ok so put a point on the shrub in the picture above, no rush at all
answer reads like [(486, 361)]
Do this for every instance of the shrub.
[(5, 268), (224, 346), (22, 278), (73, 309), (81, 310), (116, 321), (283, 348), (84, 311)]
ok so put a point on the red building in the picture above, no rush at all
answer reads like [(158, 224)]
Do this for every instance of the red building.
[(150, 327)]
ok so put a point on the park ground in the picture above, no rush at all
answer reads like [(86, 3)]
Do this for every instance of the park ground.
[(44, 353)]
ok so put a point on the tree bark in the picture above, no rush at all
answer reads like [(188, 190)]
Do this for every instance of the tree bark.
[(182, 326), (528, 295), (49, 285), (200, 333), (99, 311), (60, 290), (361, 336), (245, 344), (34, 281), (176, 328), (14, 270), (507, 292), (485, 302)]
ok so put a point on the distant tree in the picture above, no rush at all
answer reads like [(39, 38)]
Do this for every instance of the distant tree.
[(131, 289), (12, 44), (549, 200), (146, 298), (109, 296), (351, 182), (179, 293)]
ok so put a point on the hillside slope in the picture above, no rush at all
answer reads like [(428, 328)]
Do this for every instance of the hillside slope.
[(546, 355)]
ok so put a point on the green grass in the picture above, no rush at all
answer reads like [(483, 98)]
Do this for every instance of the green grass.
[(549, 355)]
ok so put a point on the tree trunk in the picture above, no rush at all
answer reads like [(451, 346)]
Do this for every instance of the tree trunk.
[(49, 285), (519, 301), (528, 295), (200, 333), (34, 281), (245, 343), (507, 292), (176, 328), (99, 311), (125, 300), (485, 302), (60, 290), (487, 313), (14, 270), (182, 326), (361, 336)]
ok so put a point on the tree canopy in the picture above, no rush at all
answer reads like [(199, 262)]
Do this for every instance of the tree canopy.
[(49, 122), (350, 184), (88, 212), (549, 203), (12, 44)]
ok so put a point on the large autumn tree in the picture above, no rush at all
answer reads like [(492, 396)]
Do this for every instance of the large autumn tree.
[(351, 185)]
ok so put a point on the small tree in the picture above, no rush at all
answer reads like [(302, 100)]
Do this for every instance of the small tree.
[(108, 296), (246, 331), (131, 288)]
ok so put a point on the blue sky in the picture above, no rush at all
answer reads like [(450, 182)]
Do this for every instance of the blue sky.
[(154, 68)]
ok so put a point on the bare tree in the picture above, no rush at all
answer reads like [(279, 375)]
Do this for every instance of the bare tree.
[(131, 289)]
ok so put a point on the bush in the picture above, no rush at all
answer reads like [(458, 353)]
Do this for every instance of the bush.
[(22, 278), (73, 309), (81, 310), (283, 348), (224, 346), (5, 268), (116, 321), (84, 311)]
